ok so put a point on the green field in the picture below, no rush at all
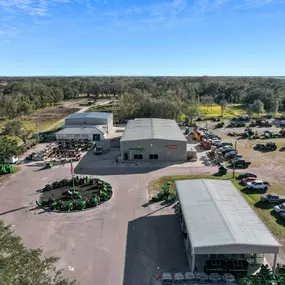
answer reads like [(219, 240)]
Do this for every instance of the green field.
[(232, 110), (263, 210)]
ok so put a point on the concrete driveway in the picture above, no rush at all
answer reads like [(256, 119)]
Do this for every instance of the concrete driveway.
[(120, 242)]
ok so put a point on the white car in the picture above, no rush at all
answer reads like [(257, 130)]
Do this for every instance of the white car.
[(279, 208), (258, 184)]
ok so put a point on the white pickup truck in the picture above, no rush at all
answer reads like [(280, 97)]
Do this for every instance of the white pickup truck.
[(258, 184)]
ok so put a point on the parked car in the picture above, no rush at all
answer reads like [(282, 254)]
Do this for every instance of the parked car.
[(241, 163), (279, 208), (247, 179), (272, 198), (226, 143), (225, 150), (231, 154), (246, 174), (258, 184)]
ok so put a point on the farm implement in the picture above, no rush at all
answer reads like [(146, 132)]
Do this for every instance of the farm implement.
[(270, 146), (75, 194), (6, 169)]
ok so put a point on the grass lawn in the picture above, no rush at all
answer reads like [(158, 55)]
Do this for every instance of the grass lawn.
[(264, 210), (232, 110)]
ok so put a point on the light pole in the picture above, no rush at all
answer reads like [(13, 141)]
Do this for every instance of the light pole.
[(234, 165)]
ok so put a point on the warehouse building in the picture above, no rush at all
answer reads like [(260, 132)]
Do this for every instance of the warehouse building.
[(90, 119), (153, 140), (96, 133), (218, 224), (92, 126)]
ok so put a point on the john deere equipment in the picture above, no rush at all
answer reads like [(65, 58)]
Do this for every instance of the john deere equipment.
[(270, 146), (6, 169), (164, 195), (247, 133), (270, 135)]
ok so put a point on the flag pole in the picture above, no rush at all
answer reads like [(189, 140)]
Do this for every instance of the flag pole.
[(72, 174)]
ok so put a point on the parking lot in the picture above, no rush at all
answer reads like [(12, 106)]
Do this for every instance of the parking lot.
[(120, 242)]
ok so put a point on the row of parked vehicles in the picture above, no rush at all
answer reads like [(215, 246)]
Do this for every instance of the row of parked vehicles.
[(198, 277), (229, 153), (250, 181)]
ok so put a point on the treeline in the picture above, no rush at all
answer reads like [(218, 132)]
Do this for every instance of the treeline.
[(20, 96)]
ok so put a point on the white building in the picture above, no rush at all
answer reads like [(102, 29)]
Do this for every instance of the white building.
[(91, 125)]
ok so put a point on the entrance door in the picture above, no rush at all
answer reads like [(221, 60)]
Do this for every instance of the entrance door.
[(96, 137), (126, 156)]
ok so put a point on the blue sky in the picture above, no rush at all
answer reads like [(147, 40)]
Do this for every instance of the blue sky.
[(142, 37)]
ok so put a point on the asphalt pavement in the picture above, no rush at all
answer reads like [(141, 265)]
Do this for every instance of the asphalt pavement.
[(119, 242)]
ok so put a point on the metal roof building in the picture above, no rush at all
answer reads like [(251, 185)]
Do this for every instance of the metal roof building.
[(88, 132), (153, 139), (145, 129), (90, 119), (218, 220)]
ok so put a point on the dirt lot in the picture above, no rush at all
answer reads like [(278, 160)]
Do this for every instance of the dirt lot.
[(269, 167), (48, 116)]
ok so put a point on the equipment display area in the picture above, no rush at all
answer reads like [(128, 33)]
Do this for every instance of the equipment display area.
[(77, 194), (153, 140), (217, 222)]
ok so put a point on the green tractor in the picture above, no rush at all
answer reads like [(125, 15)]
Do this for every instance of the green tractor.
[(6, 169), (270, 135), (270, 146), (248, 133)]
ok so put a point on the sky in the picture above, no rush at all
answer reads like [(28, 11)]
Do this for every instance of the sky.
[(142, 37)]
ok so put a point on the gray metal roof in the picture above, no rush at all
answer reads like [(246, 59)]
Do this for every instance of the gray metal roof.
[(220, 221), (101, 115), (143, 129), (81, 130)]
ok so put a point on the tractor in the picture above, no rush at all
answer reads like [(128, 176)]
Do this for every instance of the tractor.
[(247, 133), (270, 146), (219, 125), (270, 135)]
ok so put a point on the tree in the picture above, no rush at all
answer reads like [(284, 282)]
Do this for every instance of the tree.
[(274, 107), (20, 265), (192, 111), (16, 128), (257, 107), (223, 104), (8, 148), (208, 101)]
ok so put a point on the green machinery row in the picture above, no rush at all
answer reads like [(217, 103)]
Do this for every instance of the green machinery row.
[(6, 169), (73, 199)]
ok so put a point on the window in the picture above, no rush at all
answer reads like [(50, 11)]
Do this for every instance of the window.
[(153, 156), (138, 156)]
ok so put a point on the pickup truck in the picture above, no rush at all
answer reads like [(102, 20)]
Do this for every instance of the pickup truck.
[(258, 184), (279, 208), (272, 198), (241, 163)]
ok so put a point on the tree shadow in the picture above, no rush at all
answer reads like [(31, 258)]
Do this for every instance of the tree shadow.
[(248, 191), (279, 220), (263, 205)]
